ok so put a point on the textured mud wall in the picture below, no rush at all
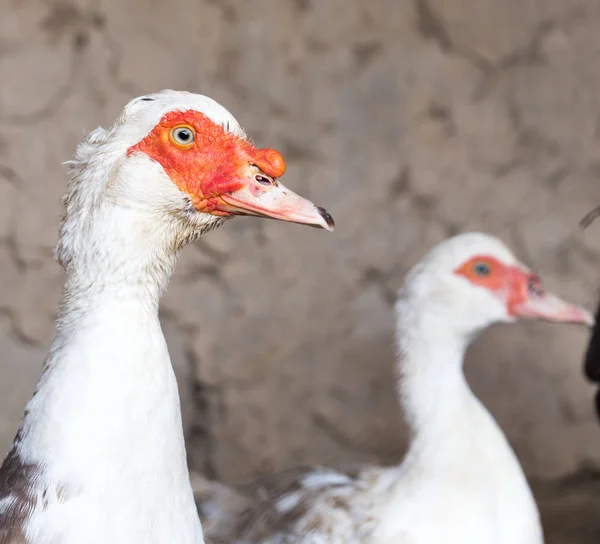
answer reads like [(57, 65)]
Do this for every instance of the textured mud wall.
[(409, 120)]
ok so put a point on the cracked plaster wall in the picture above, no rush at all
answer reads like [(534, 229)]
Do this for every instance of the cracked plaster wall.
[(408, 120)]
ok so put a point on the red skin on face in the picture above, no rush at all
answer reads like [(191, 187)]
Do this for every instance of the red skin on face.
[(510, 282), (217, 162)]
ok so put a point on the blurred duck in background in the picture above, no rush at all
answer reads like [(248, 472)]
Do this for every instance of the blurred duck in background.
[(460, 482)]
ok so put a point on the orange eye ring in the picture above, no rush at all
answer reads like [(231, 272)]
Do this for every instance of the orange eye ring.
[(182, 136)]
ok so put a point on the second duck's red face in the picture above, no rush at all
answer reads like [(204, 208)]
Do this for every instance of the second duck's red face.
[(520, 289), (224, 174)]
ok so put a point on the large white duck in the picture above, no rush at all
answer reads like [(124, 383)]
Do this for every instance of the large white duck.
[(100, 454), (460, 482)]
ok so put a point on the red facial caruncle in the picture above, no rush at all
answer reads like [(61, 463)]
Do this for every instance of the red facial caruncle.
[(210, 163), (223, 174), (520, 289), (508, 282)]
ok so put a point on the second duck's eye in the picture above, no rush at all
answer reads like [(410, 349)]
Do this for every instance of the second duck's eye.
[(182, 136), (481, 269)]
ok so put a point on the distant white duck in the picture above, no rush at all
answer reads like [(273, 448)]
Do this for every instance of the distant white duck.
[(460, 482), (100, 454)]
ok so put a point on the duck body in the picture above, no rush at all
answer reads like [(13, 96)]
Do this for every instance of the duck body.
[(100, 454), (468, 492), (460, 481)]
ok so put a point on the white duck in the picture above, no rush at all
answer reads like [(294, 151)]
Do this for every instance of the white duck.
[(100, 454), (460, 482)]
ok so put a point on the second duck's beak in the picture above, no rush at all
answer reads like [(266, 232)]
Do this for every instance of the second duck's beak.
[(532, 301)]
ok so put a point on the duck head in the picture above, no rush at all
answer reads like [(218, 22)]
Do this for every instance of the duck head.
[(181, 162), (473, 280)]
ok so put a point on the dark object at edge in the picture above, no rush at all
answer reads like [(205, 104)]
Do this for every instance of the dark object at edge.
[(592, 358)]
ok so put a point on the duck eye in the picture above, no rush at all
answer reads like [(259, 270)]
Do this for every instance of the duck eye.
[(481, 269), (182, 136)]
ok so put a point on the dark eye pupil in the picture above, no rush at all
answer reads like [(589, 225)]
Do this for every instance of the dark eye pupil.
[(184, 134), (482, 269)]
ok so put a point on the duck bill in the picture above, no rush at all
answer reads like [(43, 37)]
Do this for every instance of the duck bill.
[(549, 307), (277, 203)]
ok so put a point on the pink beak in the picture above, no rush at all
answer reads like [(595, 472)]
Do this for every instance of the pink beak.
[(277, 202), (549, 307)]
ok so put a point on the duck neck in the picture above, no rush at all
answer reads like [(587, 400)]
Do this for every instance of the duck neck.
[(107, 405), (432, 387)]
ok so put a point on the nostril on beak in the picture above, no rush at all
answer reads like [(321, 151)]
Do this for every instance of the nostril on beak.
[(534, 286), (327, 217)]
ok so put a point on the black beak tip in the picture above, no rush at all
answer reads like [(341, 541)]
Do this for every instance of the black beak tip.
[(327, 217)]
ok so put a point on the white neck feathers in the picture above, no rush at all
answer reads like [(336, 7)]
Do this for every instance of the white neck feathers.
[(431, 383), (105, 421)]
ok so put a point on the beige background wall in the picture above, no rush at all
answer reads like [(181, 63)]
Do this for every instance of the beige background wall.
[(409, 120)]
